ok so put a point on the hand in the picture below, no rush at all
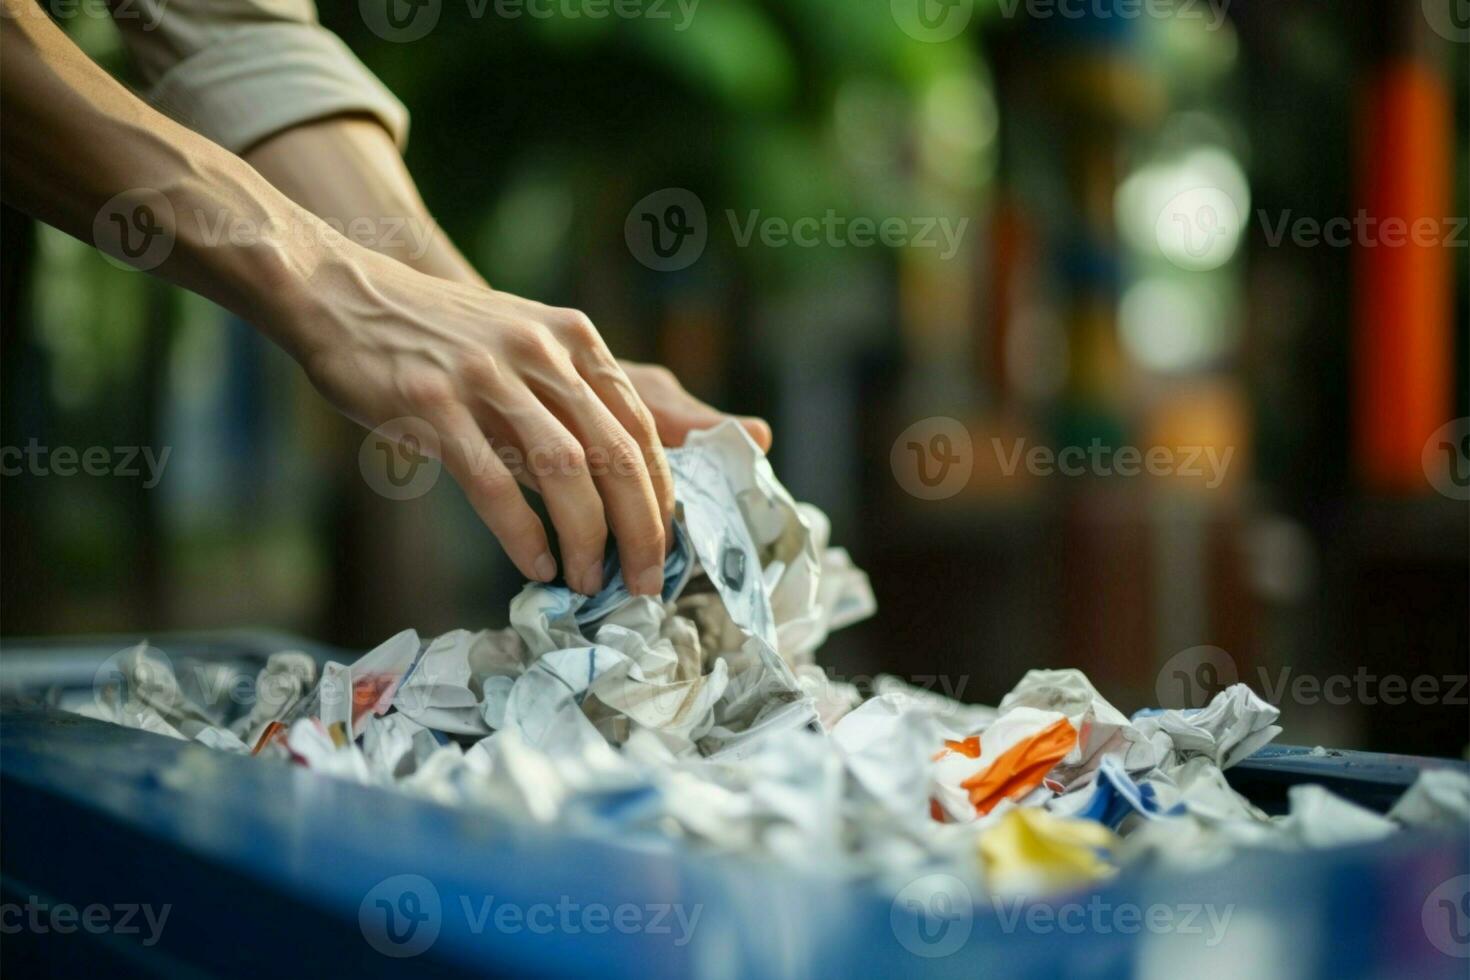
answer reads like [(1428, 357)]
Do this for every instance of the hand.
[(677, 413), (491, 372), (514, 390), (346, 168)]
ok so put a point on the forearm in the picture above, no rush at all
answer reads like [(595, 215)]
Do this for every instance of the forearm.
[(75, 139), (466, 372), (347, 171)]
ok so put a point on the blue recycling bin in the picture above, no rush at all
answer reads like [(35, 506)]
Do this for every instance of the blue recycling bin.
[(144, 855)]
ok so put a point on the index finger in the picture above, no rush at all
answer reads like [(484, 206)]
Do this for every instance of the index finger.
[(618, 468), (494, 493)]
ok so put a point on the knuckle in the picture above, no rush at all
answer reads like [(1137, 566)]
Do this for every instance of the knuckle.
[(661, 375), (479, 371), (530, 343), (559, 456), (321, 365), (428, 391), (579, 327), (645, 430), (624, 458)]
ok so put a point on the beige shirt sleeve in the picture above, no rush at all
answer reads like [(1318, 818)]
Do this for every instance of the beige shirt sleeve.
[(238, 71)]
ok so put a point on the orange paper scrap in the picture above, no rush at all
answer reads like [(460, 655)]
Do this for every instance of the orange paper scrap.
[(1021, 768)]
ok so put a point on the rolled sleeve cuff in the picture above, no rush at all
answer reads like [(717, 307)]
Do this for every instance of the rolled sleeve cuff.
[(266, 78)]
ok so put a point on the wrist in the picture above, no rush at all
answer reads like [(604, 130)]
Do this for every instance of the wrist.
[(263, 255), (305, 285)]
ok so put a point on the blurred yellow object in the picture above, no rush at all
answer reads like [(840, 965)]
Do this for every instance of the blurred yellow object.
[(1030, 851)]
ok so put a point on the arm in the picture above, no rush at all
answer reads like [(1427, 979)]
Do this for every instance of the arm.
[(485, 369), (347, 169)]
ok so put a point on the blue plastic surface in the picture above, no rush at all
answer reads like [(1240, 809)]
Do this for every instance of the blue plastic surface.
[(269, 868)]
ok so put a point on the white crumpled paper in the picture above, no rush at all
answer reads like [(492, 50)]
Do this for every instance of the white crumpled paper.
[(702, 715)]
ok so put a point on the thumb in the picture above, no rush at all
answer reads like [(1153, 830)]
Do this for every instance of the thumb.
[(759, 430), (674, 425)]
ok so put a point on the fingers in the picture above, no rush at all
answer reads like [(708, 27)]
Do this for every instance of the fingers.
[(605, 376), (493, 492), (759, 430), (590, 470), (678, 413), (627, 492), (557, 463), (622, 480)]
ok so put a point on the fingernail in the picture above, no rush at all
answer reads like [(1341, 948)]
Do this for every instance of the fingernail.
[(545, 567), (592, 579), (650, 581), (759, 429)]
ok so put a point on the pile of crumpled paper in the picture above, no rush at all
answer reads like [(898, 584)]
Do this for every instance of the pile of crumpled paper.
[(704, 717)]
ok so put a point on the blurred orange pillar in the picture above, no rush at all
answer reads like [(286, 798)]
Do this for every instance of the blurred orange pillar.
[(1403, 368)]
